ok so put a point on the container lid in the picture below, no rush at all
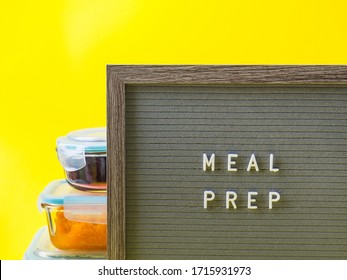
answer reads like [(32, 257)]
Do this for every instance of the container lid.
[(78, 205), (41, 248), (73, 147)]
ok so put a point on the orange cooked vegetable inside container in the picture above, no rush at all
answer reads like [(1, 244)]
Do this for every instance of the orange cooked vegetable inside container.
[(76, 219), (77, 235)]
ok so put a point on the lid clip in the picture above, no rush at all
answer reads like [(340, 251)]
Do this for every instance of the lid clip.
[(71, 157)]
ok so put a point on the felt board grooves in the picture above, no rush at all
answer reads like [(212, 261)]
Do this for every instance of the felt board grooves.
[(305, 129), (289, 231)]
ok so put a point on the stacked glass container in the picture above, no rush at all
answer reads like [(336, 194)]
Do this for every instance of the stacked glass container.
[(76, 207)]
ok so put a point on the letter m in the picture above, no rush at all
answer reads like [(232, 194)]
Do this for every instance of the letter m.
[(210, 163)]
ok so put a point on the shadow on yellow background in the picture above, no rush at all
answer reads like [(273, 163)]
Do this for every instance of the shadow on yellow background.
[(53, 70)]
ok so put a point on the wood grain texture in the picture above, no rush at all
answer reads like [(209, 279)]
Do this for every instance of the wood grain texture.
[(119, 76), (116, 166), (224, 74)]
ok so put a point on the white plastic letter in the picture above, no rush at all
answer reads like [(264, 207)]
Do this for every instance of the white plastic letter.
[(231, 199), (250, 200), (208, 196), (273, 197), (231, 162), (253, 163), (208, 162), (272, 164)]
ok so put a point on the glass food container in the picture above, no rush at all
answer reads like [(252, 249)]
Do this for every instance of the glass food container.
[(82, 153), (41, 248), (76, 219)]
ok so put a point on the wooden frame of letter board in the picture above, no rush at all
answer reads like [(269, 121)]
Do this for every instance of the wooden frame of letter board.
[(118, 76)]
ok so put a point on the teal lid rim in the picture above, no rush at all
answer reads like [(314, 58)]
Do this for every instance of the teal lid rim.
[(89, 146), (78, 198)]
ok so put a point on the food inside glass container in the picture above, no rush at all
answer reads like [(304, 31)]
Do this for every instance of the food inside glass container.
[(67, 234), (91, 176), (82, 154), (77, 220)]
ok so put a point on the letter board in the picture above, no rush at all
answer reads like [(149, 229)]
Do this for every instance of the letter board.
[(227, 162)]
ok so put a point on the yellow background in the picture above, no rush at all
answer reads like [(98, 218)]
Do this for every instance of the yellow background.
[(53, 70)]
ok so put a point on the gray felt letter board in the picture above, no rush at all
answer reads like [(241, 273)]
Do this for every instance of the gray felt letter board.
[(227, 162)]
